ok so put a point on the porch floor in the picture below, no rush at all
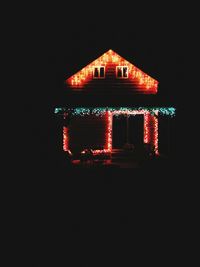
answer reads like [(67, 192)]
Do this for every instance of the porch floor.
[(119, 158)]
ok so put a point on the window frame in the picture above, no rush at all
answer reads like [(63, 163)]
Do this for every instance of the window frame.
[(122, 77), (98, 67)]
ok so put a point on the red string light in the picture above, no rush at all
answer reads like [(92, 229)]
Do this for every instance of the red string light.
[(155, 135), (146, 128), (150, 130), (65, 139), (110, 57)]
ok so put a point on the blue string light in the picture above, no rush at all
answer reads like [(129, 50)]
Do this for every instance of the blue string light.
[(80, 111)]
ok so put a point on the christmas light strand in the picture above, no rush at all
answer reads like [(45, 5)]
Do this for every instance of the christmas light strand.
[(65, 139), (155, 134), (150, 123), (100, 111), (111, 57), (146, 128)]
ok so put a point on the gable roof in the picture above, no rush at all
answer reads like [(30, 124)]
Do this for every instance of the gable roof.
[(137, 76)]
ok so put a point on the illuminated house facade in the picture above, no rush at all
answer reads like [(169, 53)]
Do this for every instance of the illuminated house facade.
[(107, 125)]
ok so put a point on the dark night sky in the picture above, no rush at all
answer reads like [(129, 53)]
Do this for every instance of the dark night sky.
[(155, 52), (154, 45), (59, 42), (64, 43)]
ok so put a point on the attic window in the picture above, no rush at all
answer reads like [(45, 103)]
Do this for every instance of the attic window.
[(99, 72), (122, 72)]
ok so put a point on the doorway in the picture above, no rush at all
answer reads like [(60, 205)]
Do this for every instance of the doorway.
[(128, 129)]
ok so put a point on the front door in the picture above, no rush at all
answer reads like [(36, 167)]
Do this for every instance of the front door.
[(136, 130), (128, 130)]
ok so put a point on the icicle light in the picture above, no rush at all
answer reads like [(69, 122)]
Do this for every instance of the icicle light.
[(80, 111), (110, 57)]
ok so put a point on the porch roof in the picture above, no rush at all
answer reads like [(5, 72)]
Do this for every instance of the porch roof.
[(98, 111)]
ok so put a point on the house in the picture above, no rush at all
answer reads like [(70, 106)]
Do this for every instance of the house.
[(125, 115)]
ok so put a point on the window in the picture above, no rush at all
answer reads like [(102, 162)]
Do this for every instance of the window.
[(122, 72), (99, 72)]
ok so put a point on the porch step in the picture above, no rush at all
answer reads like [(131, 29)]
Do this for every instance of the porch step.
[(121, 153)]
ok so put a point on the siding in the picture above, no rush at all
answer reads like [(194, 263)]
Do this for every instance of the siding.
[(111, 83), (90, 131), (87, 132)]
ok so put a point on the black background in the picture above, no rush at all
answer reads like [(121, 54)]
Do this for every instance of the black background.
[(60, 215), (59, 45)]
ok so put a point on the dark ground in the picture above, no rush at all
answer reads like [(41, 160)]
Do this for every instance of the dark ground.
[(92, 216)]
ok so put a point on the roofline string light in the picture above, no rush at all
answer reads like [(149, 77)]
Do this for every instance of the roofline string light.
[(86, 74), (100, 111)]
